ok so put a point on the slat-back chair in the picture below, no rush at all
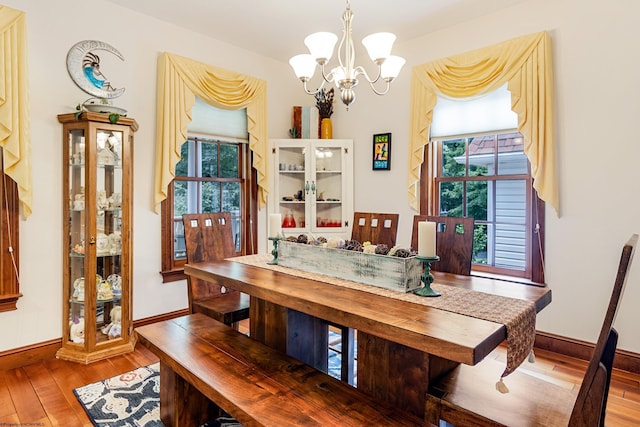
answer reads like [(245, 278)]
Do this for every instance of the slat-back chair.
[(209, 237), (377, 228), (466, 396), (454, 242)]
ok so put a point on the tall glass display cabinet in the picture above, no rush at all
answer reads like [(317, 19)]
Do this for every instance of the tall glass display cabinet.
[(97, 248), (313, 185)]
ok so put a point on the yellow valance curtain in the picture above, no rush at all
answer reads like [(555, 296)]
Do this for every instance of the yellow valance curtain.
[(15, 136), (180, 80), (524, 64)]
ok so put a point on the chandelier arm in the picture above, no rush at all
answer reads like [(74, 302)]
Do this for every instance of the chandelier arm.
[(309, 92), (329, 78), (378, 92), (361, 71)]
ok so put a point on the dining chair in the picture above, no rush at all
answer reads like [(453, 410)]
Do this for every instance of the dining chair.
[(209, 237), (377, 228), (454, 242), (467, 395)]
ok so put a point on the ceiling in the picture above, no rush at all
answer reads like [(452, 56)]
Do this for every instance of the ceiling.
[(277, 28)]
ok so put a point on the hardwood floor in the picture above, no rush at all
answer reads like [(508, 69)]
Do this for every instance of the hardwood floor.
[(41, 394)]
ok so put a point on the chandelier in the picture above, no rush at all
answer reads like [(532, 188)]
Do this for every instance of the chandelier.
[(345, 75)]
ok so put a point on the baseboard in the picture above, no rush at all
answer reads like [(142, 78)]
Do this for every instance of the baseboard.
[(160, 317), (23, 356), (624, 360)]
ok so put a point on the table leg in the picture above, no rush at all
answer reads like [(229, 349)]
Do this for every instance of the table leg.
[(396, 373), (181, 404), (298, 334)]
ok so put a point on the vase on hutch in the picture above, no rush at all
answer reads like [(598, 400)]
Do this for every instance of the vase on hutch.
[(326, 128)]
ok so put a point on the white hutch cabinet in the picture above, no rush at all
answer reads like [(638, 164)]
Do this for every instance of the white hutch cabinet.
[(312, 186)]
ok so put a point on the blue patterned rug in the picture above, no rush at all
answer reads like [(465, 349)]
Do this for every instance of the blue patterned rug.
[(133, 398)]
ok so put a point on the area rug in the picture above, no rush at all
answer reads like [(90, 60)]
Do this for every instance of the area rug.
[(132, 399)]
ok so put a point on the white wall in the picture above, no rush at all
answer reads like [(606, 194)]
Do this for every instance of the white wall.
[(597, 105)]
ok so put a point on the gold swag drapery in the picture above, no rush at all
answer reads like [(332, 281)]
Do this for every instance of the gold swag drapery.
[(180, 80), (15, 138), (523, 63)]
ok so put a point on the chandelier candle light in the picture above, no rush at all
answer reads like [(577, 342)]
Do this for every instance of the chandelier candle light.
[(427, 255), (345, 75)]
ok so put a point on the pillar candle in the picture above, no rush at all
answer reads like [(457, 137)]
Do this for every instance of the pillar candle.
[(427, 239), (275, 224)]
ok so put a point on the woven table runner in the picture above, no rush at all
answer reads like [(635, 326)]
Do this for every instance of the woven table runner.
[(518, 316)]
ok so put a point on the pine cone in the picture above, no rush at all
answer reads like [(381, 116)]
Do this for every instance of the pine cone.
[(403, 253), (353, 245), (382, 249), (302, 238)]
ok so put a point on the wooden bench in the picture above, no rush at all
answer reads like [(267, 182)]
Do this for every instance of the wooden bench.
[(466, 396), (206, 367)]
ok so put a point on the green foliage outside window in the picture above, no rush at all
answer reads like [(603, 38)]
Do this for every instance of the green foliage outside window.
[(452, 193)]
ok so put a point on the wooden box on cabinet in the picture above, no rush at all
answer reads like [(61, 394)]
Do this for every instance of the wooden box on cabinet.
[(97, 243)]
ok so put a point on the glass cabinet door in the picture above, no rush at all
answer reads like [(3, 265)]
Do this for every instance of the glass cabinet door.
[(108, 233), (77, 232), (328, 184), (294, 187)]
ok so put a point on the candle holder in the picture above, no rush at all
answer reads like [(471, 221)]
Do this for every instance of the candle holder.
[(427, 277), (274, 251)]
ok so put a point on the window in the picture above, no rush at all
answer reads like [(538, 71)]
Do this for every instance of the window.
[(488, 177), (210, 177), (9, 275)]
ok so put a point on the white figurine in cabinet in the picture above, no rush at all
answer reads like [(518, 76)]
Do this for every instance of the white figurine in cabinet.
[(103, 202), (76, 330), (115, 201)]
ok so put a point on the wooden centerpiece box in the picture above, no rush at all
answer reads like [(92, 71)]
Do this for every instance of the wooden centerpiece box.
[(383, 271)]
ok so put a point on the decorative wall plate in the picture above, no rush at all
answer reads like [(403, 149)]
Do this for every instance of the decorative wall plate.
[(83, 65)]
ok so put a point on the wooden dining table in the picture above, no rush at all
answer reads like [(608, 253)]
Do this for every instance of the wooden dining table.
[(401, 345)]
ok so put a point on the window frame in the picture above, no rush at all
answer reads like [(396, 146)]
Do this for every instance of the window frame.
[(9, 238), (535, 216), (172, 269)]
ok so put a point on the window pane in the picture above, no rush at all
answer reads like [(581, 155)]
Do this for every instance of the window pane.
[(209, 160), (477, 200), (481, 156), (180, 205), (511, 157), (453, 159), (230, 196), (182, 167), (451, 199), (510, 228), (237, 229), (210, 197), (480, 238), (179, 248), (228, 161)]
